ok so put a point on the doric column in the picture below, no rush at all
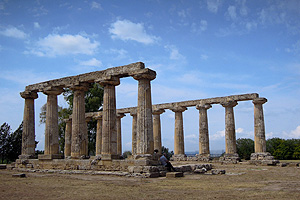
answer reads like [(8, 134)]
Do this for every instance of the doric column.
[(99, 135), (85, 140), (178, 136), (203, 130), (259, 125), (79, 128), (68, 137), (134, 121), (119, 133), (157, 129), (51, 127), (230, 137), (109, 128), (28, 134), (145, 145)]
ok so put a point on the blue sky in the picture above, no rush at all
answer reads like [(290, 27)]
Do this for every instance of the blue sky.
[(199, 49)]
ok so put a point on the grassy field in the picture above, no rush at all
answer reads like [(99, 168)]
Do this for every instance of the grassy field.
[(240, 182)]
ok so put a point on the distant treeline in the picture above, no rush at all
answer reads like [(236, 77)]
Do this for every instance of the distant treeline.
[(281, 149)]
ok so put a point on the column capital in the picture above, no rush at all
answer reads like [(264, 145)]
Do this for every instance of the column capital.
[(80, 87), (67, 120), (109, 80), (53, 90), (144, 74), (158, 111), (203, 106), (229, 103), (120, 115), (133, 112), (259, 101), (29, 95), (98, 117), (178, 109)]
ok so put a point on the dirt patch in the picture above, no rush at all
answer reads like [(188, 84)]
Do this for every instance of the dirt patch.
[(241, 181)]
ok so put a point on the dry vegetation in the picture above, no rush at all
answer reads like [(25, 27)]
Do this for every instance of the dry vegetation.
[(240, 181)]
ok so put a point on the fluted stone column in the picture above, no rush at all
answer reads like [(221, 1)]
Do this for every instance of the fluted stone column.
[(157, 129), (145, 144), (109, 128), (119, 133), (134, 121), (230, 137), (99, 135), (28, 134), (68, 137), (259, 125), (51, 127), (179, 136), (85, 140), (204, 152), (79, 128)]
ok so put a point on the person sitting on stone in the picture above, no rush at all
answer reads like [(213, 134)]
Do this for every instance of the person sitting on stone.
[(165, 162)]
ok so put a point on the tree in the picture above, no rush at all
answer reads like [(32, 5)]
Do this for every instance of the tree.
[(245, 147), (4, 141), (93, 103), (166, 150), (272, 144), (126, 154)]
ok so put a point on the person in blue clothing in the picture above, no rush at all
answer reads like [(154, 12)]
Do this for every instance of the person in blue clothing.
[(165, 162)]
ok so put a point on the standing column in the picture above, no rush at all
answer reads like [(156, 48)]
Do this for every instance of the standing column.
[(68, 137), (145, 145), (157, 129), (99, 135), (230, 137), (259, 125), (109, 128), (204, 153), (51, 127), (85, 139), (79, 128), (119, 133), (134, 121), (28, 134), (179, 136)]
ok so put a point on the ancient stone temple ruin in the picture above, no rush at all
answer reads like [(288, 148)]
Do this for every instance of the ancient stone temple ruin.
[(146, 124)]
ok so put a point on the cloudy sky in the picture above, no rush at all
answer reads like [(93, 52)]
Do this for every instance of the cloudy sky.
[(199, 49)]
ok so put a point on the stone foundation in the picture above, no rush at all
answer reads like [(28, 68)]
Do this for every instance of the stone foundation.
[(263, 158), (179, 157), (230, 158)]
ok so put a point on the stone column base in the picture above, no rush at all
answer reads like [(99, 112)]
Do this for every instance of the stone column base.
[(263, 158), (203, 157), (179, 157), (24, 157), (230, 158), (110, 157), (145, 160), (50, 156)]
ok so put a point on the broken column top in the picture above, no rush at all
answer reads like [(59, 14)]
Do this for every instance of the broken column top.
[(66, 82)]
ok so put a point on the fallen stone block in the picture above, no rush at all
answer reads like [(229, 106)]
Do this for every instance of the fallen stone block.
[(19, 175), (3, 166), (200, 171), (174, 174), (218, 171)]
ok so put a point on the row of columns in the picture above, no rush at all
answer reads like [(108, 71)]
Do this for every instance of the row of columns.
[(146, 132)]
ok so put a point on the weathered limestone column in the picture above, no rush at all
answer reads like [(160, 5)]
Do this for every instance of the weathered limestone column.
[(157, 129), (134, 122), (85, 139), (28, 134), (79, 128), (51, 127), (145, 144), (179, 136), (259, 125), (68, 137), (109, 128), (119, 133), (230, 137), (204, 153), (99, 135)]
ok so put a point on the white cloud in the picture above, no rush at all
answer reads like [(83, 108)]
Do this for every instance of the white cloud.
[(36, 25), (96, 5), (192, 136), (14, 33), (204, 57), (121, 53), (295, 133), (203, 25), (92, 62), (295, 48), (127, 30), (213, 5), (54, 45), (239, 130), (232, 12), (218, 135), (174, 53), (251, 25)]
